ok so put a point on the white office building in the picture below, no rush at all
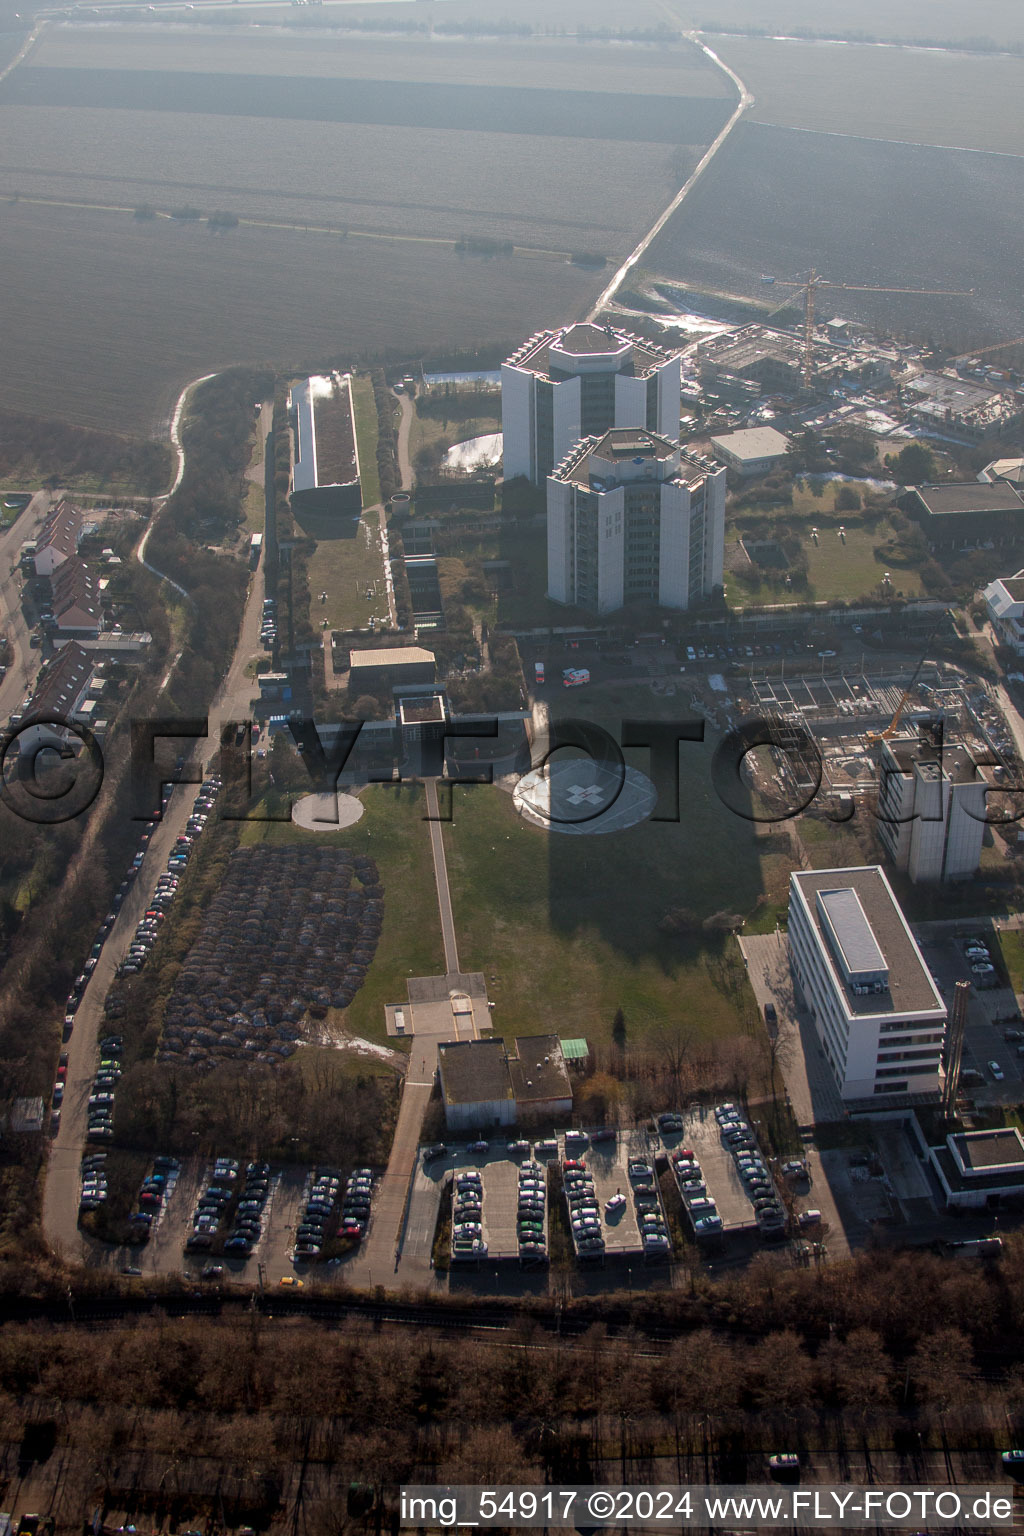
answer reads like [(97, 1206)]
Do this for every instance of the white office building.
[(1004, 599), (858, 971), (577, 382), (932, 805), (632, 517)]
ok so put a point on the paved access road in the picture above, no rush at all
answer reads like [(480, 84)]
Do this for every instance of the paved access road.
[(60, 1195)]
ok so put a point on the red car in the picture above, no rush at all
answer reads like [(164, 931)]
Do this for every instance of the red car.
[(573, 1162)]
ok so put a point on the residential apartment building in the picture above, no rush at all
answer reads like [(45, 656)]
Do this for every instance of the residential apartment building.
[(58, 538), (858, 971), (578, 382), (632, 517), (932, 804)]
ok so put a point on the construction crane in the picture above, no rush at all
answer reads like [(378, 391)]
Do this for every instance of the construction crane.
[(997, 346), (816, 281), (874, 737)]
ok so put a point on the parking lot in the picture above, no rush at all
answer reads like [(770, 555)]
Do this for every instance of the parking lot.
[(985, 1041), (272, 1251), (718, 1166)]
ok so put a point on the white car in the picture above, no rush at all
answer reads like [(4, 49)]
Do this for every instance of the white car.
[(996, 1070)]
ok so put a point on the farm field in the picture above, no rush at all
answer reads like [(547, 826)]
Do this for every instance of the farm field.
[(671, 69), (945, 21), (917, 97), (936, 21), (782, 201), (567, 928), (85, 341), (343, 251), (439, 183)]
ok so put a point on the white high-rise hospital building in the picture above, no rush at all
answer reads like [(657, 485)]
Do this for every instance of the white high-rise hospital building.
[(576, 382)]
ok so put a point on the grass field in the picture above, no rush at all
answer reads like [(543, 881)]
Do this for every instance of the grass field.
[(566, 929), (345, 569), (364, 415), (782, 201), (913, 96), (393, 833), (836, 570), (12, 506)]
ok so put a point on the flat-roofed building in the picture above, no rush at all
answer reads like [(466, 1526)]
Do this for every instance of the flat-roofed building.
[(980, 1168), (1004, 599), (577, 382), (476, 1085), (633, 517), (385, 666), (932, 803), (967, 514), (860, 974), (540, 1078), (325, 482), (483, 1084), (752, 451)]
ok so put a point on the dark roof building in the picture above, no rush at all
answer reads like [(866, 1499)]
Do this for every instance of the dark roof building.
[(539, 1076), (76, 607), (63, 685), (971, 513), (58, 538), (483, 1085)]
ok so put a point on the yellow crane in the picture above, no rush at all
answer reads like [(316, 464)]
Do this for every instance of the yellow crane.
[(811, 285), (874, 737)]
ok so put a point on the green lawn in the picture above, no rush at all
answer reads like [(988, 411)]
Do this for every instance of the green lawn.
[(364, 410), (12, 505), (345, 568), (837, 568), (393, 833), (568, 926)]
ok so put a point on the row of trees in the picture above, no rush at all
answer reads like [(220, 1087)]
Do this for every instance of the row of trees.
[(387, 438), (153, 1409)]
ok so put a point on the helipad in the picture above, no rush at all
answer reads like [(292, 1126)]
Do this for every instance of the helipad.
[(326, 812), (580, 795)]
